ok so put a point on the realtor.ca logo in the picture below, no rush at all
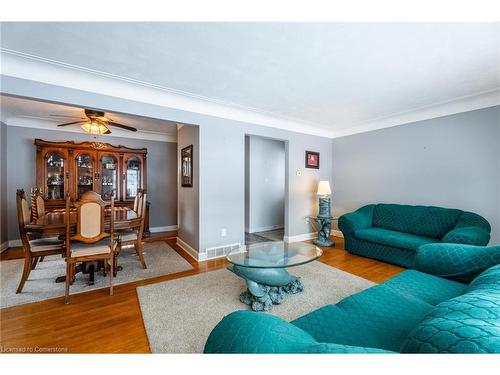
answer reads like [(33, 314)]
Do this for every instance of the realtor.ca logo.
[(31, 349)]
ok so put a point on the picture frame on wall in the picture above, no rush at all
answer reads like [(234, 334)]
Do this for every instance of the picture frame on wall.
[(312, 159), (187, 166)]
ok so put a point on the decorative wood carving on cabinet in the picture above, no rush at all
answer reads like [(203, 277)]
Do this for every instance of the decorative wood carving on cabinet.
[(63, 167)]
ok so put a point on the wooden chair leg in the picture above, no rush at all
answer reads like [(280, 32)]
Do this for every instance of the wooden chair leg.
[(68, 281), (42, 258), (73, 273), (139, 249), (34, 262), (25, 275), (111, 266)]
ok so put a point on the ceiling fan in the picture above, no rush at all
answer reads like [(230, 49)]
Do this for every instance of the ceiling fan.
[(97, 123)]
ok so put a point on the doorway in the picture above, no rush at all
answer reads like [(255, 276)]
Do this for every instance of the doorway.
[(265, 192)]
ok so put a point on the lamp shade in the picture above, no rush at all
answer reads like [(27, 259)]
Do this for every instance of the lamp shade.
[(324, 188), (94, 128)]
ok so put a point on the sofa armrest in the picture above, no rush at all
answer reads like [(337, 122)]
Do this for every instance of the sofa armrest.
[(359, 219), (471, 229), (456, 261), (251, 332)]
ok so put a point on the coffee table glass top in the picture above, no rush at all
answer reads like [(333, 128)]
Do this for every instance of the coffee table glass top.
[(275, 255)]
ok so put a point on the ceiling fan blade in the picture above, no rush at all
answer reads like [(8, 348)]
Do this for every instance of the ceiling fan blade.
[(71, 123), (68, 116), (121, 126)]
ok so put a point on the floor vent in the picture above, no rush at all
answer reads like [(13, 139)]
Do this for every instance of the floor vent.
[(222, 251)]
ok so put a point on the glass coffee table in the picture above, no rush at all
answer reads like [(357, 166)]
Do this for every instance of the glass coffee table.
[(263, 267)]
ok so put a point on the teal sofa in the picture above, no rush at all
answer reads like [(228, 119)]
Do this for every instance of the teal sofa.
[(393, 232), (413, 312)]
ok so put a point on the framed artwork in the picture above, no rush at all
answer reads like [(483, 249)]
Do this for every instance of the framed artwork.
[(187, 166), (312, 159)]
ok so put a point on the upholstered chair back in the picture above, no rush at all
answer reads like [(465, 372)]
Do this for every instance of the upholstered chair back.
[(136, 202), (90, 218), (40, 206), (140, 202), (23, 215)]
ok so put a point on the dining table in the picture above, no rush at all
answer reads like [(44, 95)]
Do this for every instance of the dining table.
[(53, 224)]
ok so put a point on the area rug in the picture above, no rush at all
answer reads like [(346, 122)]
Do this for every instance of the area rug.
[(160, 258), (179, 314)]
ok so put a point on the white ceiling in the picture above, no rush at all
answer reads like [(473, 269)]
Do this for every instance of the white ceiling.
[(333, 76), (36, 114)]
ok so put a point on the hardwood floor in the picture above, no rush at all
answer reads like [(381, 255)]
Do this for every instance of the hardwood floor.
[(95, 322)]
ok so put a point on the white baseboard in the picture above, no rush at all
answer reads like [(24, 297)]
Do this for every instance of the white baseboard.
[(168, 228), (300, 237), (192, 252), (4, 246), (337, 233), (265, 229), (15, 243)]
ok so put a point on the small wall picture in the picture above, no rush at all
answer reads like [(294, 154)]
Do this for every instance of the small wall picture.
[(312, 159), (187, 166)]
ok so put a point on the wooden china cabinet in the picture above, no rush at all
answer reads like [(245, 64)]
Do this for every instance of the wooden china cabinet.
[(74, 168)]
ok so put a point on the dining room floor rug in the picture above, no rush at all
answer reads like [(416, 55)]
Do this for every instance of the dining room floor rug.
[(180, 314), (160, 258)]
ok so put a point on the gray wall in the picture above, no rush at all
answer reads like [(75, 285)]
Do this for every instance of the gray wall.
[(221, 158), (264, 184), (222, 190), (188, 209), (3, 183), (162, 170), (451, 161)]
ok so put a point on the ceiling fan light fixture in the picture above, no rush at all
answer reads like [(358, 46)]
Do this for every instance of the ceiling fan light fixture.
[(94, 128)]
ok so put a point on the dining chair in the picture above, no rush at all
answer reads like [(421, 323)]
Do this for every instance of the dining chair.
[(93, 243), (33, 249), (136, 200), (134, 236), (37, 203)]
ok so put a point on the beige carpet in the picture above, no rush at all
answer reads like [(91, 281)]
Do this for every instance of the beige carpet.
[(179, 314), (160, 258)]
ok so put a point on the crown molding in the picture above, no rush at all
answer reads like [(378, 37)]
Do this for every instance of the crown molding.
[(467, 103), (26, 122), (26, 66)]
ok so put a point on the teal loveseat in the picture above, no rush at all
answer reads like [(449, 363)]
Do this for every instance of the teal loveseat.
[(414, 312), (393, 232)]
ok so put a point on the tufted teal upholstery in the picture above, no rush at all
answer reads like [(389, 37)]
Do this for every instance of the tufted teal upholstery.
[(262, 333), (361, 320), (393, 232), (412, 313), (456, 261), (391, 238), (428, 288), (469, 323), (424, 221)]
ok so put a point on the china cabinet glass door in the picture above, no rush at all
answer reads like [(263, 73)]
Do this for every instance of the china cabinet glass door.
[(55, 175), (84, 174), (132, 177), (109, 176)]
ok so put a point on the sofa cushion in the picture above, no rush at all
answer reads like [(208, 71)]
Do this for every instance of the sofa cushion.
[(488, 281), (429, 288), (424, 221), (256, 328), (393, 238), (469, 323), (377, 317)]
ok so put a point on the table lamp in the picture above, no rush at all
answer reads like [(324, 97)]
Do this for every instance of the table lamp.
[(324, 193), (324, 218)]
